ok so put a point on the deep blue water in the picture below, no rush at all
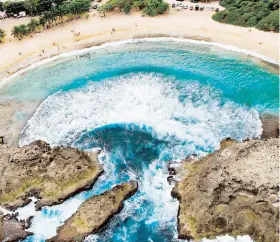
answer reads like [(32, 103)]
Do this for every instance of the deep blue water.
[(143, 104)]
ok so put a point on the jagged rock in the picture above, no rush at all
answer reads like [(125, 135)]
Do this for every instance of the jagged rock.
[(11, 229), (232, 191), (95, 213), (51, 174)]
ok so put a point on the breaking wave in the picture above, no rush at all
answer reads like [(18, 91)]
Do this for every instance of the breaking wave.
[(174, 111), (140, 121)]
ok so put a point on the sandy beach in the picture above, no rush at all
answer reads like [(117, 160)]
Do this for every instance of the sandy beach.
[(199, 25)]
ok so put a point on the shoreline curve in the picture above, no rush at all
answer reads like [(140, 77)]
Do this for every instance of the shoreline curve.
[(147, 38)]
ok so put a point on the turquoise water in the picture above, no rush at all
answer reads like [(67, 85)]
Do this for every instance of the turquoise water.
[(144, 104)]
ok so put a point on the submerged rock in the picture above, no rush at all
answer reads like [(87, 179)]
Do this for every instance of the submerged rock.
[(232, 191), (95, 213), (51, 174), (11, 229)]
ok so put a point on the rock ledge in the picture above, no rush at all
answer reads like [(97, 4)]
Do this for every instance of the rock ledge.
[(95, 213), (50, 174), (233, 191)]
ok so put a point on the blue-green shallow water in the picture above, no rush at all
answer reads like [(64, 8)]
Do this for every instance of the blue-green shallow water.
[(143, 104), (237, 77)]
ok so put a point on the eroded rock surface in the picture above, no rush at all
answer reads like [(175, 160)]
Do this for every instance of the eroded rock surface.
[(11, 229), (270, 125), (51, 174), (232, 191), (94, 213)]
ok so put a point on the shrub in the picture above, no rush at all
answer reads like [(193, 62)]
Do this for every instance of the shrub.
[(1, 6), (127, 8), (149, 7), (14, 7), (2, 35), (246, 13), (270, 23)]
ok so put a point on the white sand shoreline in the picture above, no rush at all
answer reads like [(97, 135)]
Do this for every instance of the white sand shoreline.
[(135, 40), (95, 31)]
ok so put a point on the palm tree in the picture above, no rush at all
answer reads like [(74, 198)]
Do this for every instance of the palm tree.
[(33, 25), (20, 31), (31, 6), (2, 35), (49, 17)]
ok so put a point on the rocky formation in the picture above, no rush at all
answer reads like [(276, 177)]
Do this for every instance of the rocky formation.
[(51, 174), (270, 125), (11, 229), (94, 213), (233, 191)]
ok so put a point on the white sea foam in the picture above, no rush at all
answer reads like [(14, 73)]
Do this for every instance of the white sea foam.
[(135, 41), (197, 123), (227, 238), (46, 221), (149, 100)]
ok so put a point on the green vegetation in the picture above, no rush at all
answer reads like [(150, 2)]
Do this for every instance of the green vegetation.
[(38, 7), (1, 6), (148, 7), (13, 7), (251, 13), (23, 30), (270, 22), (56, 13), (2, 35)]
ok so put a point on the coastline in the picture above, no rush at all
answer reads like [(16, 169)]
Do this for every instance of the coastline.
[(96, 31), (24, 67)]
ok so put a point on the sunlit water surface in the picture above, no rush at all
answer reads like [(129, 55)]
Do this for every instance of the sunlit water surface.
[(144, 104)]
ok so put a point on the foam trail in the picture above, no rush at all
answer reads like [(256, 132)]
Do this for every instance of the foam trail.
[(135, 41)]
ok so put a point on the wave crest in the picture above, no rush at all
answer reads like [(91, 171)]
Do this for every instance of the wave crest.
[(184, 111)]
